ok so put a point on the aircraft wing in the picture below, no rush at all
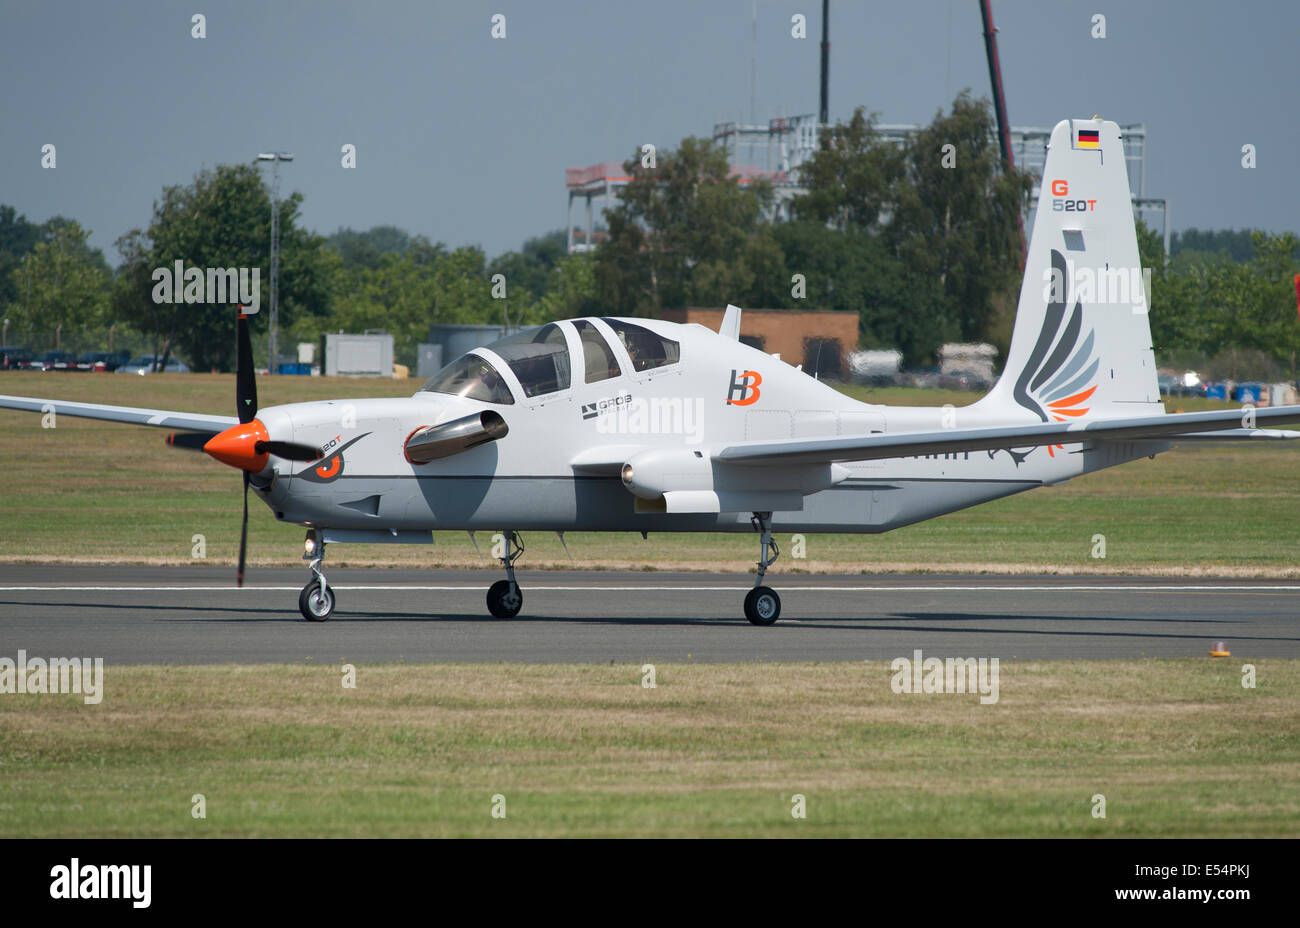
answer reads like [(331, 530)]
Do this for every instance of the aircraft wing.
[(1173, 427), (162, 418)]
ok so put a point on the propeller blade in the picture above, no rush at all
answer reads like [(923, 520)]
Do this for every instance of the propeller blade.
[(288, 450), (190, 441), (243, 537), (245, 376)]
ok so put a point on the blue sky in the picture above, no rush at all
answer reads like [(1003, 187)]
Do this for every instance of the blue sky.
[(464, 138)]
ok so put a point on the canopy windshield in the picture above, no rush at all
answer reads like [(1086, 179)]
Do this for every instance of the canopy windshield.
[(472, 377)]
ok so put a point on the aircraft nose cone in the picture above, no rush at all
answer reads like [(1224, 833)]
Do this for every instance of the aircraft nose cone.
[(237, 446)]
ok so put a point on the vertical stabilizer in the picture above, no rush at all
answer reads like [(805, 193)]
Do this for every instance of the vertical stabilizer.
[(1081, 345)]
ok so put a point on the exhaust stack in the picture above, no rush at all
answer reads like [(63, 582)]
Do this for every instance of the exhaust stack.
[(448, 438)]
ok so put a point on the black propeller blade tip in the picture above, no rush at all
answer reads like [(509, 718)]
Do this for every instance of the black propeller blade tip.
[(245, 376), (290, 451)]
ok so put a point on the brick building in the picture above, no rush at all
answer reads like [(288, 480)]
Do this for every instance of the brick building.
[(820, 340)]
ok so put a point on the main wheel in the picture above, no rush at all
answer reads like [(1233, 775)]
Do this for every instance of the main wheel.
[(315, 602), (762, 605), (505, 599)]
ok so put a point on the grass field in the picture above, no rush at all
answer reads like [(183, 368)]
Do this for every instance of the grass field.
[(1177, 748), (100, 492)]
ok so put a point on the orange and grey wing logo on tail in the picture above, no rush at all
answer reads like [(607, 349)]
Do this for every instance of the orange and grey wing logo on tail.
[(1058, 379)]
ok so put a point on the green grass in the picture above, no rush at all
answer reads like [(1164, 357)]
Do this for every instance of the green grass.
[(90, 491), (1178, 748)]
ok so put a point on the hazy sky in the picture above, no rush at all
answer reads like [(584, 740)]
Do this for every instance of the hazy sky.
[(465, 138)]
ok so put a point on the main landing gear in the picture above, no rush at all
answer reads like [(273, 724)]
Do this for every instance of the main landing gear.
[(762, 605), (316, 601), (504, 598)]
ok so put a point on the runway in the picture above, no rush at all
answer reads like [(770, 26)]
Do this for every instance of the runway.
[(194, 615)]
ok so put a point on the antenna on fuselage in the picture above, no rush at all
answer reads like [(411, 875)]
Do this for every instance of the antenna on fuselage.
[(730, 327)]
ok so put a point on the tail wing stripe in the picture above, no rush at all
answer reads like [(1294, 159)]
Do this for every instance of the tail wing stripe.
[(1080, 358), (1052, 322), (1069, 338), (1073, 400), (1077, 383)]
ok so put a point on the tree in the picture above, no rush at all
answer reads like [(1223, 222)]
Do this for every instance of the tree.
[(17, 238), (220, 220), (855, 271), (531, 267), (367, 249), (1271, 311), (956, 219), (570, 291), (1230, 242), (61, 285), (407, 293), (687, 232), (853, 176)]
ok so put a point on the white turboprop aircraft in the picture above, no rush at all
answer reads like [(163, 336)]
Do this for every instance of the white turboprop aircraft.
[(637, 425)]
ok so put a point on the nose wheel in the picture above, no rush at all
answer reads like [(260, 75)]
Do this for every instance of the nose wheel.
[(504, 598), (316, 601)]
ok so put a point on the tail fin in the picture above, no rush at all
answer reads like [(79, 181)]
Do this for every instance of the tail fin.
[(1081, 343)]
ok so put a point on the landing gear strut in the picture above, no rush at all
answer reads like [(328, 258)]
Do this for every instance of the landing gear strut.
[(316, 601), (762, 605), (504, 598)]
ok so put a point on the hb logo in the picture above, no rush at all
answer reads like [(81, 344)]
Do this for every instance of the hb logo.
[(744, 389)]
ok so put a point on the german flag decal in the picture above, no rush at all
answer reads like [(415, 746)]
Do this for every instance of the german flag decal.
[(1089, 138)]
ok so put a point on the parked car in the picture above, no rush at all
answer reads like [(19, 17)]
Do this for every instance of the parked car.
[(102, 360), (54, 360), (12, 358), (144, 365), (963, 380)]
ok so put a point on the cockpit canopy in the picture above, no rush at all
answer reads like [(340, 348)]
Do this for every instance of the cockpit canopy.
[(472, 377), (540, 361), (538, 357)]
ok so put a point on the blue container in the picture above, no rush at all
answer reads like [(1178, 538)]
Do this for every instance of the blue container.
[(1216, 391), (295, 369), (1247, 393)]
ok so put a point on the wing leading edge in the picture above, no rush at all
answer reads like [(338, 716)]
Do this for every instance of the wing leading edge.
[(1173, 427), (160, 418)]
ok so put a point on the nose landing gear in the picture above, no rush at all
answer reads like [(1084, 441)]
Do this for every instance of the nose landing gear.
[(316, 601)]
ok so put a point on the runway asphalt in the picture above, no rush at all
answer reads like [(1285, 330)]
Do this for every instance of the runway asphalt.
[(194, 615)]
